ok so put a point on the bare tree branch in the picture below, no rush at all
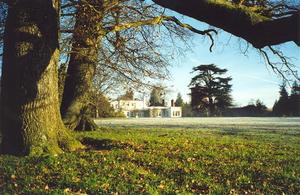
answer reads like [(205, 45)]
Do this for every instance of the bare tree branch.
[(282, 67), (159, 20), (240, 21)]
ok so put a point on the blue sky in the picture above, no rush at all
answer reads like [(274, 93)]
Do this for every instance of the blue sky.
[(252, 79)]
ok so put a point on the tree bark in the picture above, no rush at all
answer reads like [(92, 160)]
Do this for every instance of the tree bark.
[(240, 21), (211, 107), (30, 119), (87, 36)]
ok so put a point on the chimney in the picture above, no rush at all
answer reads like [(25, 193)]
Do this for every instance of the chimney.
[(172, 103)]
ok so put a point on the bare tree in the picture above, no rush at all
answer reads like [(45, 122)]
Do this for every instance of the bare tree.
[(280, 24), (262, 23), (120, 36)]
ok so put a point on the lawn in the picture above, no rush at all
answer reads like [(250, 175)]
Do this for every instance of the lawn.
[(156, 159)]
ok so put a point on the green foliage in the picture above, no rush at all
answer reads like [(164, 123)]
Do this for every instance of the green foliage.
[(257, 13), (262, 7), (261, 108), (281, 107), (288, 105), (257, 109), (179, 100), (163, 161), (294, 100), (119, 114), (156, 96), (104, 108), (210, 90), (101, 107), (187, 110)]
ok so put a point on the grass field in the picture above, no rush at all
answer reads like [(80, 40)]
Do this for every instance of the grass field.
[(262, 123), (172, 156)]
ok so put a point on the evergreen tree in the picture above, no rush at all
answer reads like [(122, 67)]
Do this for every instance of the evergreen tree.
[(210, 90), (294, 100), (187, 110), (281, 107), (275, 109), (156, 96), (179, 100), (128, 95), (261, 108)]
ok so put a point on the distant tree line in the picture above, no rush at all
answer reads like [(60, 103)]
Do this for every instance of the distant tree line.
[(257, 109), (288, 105), (210, 96)]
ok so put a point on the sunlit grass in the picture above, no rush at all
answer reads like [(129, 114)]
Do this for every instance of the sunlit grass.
[(160, 160)]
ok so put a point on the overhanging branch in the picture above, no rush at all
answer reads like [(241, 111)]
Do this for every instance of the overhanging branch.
[(240, 21), (159, 20), (281, 66)]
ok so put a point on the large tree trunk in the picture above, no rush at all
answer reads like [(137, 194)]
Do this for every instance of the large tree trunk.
[(87, 36), (30, 119), (211, 107)]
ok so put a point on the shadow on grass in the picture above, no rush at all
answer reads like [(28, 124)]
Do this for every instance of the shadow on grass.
[(103, 144), (230, 131), (257, 132)]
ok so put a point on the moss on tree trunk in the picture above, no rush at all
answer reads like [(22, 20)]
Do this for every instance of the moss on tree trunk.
[(241, 21), (30, 119), (87, 36)]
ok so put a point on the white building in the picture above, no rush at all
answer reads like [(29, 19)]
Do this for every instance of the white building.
[(138, 108)]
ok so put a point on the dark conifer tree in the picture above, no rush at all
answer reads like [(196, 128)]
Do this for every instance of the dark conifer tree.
[(281, 107), (210, 89), (294, 100), (156, 97), (179, 100)]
